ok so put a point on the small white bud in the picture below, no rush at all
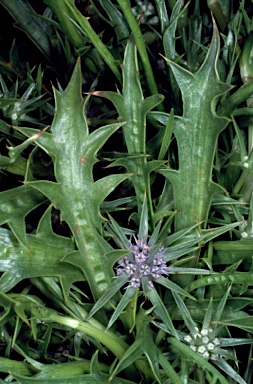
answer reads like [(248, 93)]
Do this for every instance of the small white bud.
[(210, 346), (201, 349), (17, 106), (188, 339), (206, 355), (205, 340), (204, 332), (214, 356)]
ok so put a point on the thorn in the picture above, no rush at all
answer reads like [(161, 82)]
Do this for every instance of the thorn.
[(140, 18)]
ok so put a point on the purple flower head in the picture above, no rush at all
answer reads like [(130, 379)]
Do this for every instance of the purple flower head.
[(139, 263)]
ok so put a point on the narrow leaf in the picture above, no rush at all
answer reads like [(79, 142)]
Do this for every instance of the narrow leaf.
[(126, 298)]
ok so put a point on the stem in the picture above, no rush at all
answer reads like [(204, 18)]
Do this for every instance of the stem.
[(115, 344), (112, 342)]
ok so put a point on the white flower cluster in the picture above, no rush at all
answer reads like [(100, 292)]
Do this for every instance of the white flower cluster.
[(139, 264), (203, 343)]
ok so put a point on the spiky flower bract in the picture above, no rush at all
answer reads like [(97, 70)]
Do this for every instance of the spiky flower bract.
[(146, 260)]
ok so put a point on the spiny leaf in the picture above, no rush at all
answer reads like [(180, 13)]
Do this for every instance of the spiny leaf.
[(193, 188), (133, 108), (75, 193), (20, 263), (15, 204)]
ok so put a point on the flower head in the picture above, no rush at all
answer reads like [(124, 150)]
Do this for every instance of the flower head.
[(204, 343), (140, 263)]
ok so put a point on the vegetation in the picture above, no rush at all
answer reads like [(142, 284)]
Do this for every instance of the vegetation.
[(126, 192)]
